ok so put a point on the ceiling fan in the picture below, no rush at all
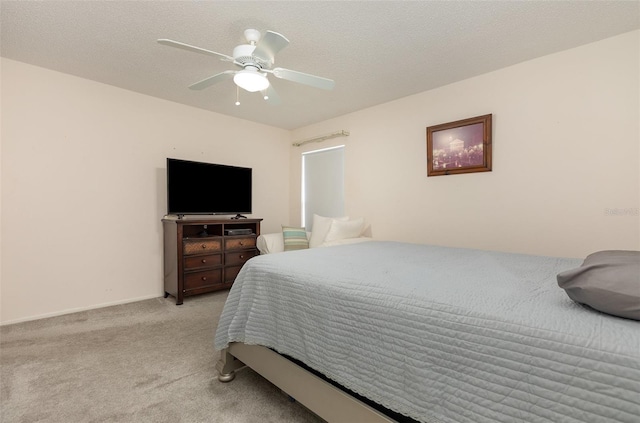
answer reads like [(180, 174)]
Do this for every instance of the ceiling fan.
[(256, 60)]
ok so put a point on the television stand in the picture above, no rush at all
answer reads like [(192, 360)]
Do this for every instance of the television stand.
[(200, 256), (239, 216)]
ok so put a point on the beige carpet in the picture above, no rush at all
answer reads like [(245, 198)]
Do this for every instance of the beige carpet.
[(150, 361)]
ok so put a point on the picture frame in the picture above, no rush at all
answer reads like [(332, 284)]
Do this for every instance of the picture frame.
[(463, 146)]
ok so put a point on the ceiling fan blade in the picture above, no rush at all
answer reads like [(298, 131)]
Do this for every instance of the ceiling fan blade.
[(207, 82), (270, 44), (272, 95), (304, 78), (188, 47)]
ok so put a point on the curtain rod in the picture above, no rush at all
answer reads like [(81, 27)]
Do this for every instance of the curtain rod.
[(342, 133)]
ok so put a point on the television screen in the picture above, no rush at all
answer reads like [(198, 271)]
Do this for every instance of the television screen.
[(207, 188)]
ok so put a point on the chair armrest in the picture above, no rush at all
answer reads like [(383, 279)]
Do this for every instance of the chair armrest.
[(270, 243)]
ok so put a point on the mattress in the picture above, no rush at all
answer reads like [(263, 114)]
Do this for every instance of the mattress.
[(441, 334)]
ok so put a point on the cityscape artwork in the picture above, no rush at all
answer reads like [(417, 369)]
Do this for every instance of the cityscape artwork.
[(463, 146)]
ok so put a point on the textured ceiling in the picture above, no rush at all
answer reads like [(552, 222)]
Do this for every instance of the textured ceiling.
[(376, 51)]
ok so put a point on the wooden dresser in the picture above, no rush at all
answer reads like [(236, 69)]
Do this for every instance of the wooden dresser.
[(204, 255)]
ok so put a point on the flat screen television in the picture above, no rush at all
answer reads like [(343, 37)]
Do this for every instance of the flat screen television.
[(207, 188)]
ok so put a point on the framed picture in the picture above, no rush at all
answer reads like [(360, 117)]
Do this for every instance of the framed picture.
[(463, 146)]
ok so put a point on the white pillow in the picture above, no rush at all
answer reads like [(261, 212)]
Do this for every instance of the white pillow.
[(320, 229), (345, 229)]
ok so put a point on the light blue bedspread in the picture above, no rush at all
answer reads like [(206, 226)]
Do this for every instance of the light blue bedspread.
[(441, 334)]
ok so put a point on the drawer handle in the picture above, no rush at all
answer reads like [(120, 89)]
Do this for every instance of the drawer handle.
[(241, 243), (241, 256), (204, 278), (204, 260), (204, 245)]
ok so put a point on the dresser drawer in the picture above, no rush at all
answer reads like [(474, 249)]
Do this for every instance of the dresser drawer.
[(230, 273), (194, 280), (239, 257), (239, 243), (195, 262), (201, 246)]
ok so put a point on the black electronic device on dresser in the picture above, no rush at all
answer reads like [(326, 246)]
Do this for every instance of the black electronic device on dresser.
[(200, 256), (207, 188)]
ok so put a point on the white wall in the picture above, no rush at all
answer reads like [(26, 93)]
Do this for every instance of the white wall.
[(84, 186), (566, 160)]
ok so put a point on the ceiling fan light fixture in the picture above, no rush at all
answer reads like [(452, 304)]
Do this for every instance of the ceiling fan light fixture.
[(251, 80)]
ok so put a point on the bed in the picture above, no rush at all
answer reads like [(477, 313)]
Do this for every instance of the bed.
[(371, 330)]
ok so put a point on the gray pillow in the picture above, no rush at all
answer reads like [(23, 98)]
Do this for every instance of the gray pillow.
[(608, 281)]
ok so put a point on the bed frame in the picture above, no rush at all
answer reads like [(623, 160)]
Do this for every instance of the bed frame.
[(327, 401)]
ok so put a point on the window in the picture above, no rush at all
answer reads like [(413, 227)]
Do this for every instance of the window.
[(322, 184)]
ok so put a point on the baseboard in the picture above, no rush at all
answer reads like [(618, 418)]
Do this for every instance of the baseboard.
[(75, 310)]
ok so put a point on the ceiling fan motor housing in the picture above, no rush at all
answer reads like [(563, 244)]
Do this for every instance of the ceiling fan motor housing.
[(243, 54)]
